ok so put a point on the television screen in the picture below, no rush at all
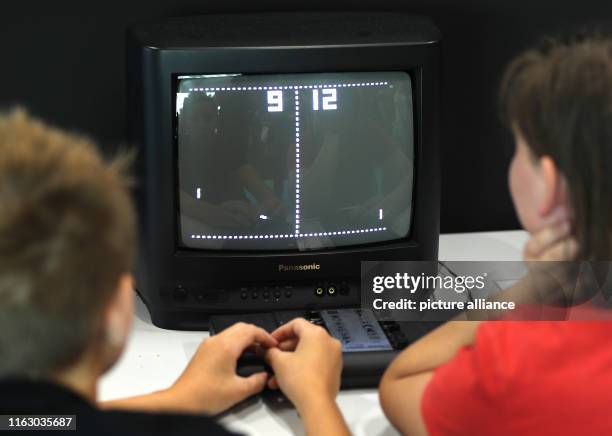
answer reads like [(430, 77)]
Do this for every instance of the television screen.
[(294, 161)]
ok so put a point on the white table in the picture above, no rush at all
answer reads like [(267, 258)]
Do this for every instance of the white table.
[(154, 357)]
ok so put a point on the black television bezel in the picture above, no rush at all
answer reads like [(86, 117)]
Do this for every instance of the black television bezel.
[(183, 287), (415, 77)]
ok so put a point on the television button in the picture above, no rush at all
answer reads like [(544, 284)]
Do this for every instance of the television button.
[(288, 293), (255, 295), (331, 290), (244, 295), (319, 291), (266, 295), (313, 315), (179, 293), (345, 289), (277, 294), (391, 327)]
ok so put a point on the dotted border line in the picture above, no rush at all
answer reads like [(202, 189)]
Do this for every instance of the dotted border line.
[(297, 162), (297, 233), (265, 88), (286, 236)]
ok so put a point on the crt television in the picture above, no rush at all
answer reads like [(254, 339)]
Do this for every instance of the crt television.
[(275, 153)]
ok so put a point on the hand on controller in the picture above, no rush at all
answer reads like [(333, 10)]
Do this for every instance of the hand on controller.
[(210, 384), (307, 364)]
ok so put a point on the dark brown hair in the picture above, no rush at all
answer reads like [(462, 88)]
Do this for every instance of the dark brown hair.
[(558, 96), (67, 234)]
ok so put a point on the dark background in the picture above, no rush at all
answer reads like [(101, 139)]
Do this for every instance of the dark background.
[(64, 61)]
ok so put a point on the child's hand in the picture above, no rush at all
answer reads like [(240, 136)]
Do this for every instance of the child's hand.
[(552, 243), (307, 365), (553, 276), (210, 384)]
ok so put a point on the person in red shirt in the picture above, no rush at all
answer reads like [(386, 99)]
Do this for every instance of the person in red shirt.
[(532, 377)]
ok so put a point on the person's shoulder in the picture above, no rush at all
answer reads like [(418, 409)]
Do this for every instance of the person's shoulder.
[(511, 340), (40, 397), (508, 335), (522, 336), (517, 349), (503, 351), (132, 423)]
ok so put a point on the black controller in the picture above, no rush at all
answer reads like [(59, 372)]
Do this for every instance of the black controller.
[(368, 344)]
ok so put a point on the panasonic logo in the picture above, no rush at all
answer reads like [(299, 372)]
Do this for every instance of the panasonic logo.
[(305, 267)]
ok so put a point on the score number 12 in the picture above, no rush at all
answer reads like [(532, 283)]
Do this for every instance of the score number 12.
[(327, 100)]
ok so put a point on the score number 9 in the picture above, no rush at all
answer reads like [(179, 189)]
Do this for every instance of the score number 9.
[(327, 100)]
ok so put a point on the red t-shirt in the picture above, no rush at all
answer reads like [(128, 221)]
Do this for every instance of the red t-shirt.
[(526, 378)]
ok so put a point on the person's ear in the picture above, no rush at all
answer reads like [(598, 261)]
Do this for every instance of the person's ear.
[(118, 318), (554, 189)]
